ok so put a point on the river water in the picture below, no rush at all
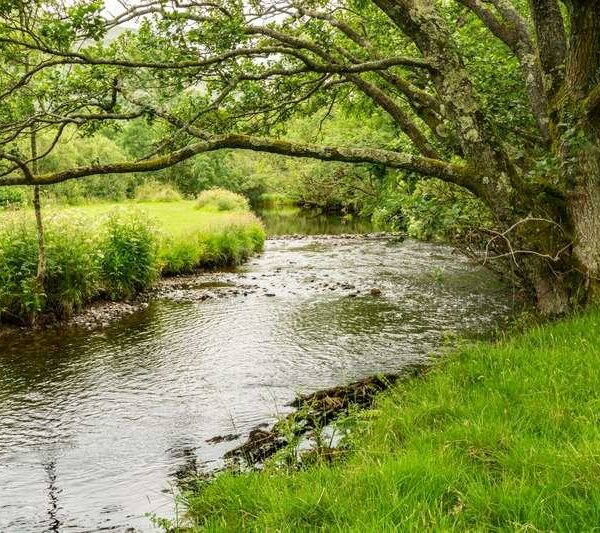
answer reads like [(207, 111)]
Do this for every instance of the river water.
[(96, 426)]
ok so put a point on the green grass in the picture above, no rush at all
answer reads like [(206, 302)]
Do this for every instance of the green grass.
[(173, 218), (501, 436), (191, 238), (113, 251)]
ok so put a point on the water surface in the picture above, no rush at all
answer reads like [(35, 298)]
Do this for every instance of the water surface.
[(95, 426)]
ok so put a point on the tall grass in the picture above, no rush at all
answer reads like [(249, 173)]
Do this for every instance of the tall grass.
[(226, 242), (502, 437), (128, 254), (222, 200), (98, 252), (154, 191), (20, 299)]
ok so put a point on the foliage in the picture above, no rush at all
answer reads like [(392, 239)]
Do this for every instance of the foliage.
[(272, 200), (494, 437), (129, 260), (221, 200), (72, 272), (432, 211), (12, 197), (82, 151), (20, 299), (154, 191), (105, 250)]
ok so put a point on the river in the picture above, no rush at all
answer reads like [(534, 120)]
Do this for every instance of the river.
[(96, 426)]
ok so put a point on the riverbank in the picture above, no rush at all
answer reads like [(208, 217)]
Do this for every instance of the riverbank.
[(494, 436), (106, 252)]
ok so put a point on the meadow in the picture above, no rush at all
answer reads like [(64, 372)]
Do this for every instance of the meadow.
[(115, 250)]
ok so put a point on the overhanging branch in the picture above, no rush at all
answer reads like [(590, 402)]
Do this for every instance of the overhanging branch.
[(453, 173)]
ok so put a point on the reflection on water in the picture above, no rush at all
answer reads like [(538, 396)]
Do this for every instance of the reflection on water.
[(96, 427), (296, 221)]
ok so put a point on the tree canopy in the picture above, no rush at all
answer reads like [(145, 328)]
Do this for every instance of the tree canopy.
[(500, 98)]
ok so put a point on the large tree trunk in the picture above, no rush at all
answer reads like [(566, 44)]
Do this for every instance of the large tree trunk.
[(584, 211)]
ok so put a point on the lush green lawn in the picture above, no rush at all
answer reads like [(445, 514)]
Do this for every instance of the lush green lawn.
[(495, 437)]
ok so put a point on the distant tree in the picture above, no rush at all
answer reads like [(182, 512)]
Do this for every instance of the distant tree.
[(498, 97)]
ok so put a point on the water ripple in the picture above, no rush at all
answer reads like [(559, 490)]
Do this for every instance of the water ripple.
[(94, 427)]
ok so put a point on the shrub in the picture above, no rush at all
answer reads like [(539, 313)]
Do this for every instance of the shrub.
[(73, 270), (11, 197), (222, 200), (20, 300), (72, 273), (154, 191), (129, 259)]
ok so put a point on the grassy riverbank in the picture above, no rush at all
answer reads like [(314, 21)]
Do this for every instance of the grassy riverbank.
[(189, 237), (502, 436), (113, 251)]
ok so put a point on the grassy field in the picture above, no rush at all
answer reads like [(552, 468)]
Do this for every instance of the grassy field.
[(172, 218), (495, 437), (113, 251), (189, 237)]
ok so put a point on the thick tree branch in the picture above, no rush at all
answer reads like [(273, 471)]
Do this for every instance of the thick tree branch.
[(512, 30), (398, 114), (27, 178), (423, 24), (551, 40), (453, 173), (423, 104)]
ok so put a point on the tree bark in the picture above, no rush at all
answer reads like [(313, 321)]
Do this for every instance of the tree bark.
[(37, 207), (551, 40)]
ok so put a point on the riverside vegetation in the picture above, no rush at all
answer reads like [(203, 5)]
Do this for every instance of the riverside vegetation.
[(113, 251), (493, 437), (469, 122)]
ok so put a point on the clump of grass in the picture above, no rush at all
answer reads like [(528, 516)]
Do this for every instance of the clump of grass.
[(495, 437), (72, 275), (73, 270), (20, 298), (226, 242), (129, 258), (154, 191), (222, 200)]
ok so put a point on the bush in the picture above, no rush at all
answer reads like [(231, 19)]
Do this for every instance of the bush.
[(154, 191), (20, 300), (72, 274), (11, 197), (73, 270), (222, 200), (129, 260)]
